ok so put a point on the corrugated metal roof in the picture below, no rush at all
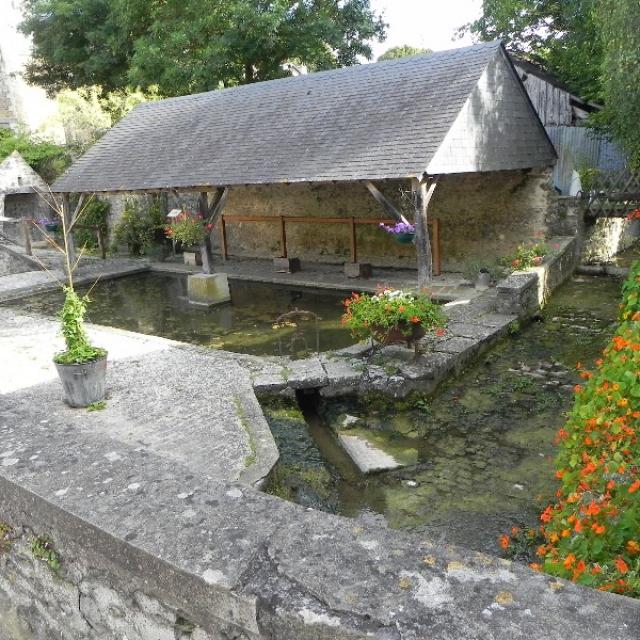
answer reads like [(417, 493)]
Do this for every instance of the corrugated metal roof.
[(373, 121)]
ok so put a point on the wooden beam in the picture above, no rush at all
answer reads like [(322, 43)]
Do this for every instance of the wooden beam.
[(205, 245), (423, 192), (386, 204), (216, 204)]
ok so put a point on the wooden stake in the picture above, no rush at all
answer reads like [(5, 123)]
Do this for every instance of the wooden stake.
[(69, 245)]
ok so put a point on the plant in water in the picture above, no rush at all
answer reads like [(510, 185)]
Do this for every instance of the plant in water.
[(374, 316), (591, 533)]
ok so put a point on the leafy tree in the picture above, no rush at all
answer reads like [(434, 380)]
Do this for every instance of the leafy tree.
[(621, 73), (46, 158), (87, 113), (561, 35), (185, 46), (403, 51)]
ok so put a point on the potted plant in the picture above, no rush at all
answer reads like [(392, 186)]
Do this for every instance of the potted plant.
[(189, 229), (82, 367), (392, 316), (49, 224), (403, 232)]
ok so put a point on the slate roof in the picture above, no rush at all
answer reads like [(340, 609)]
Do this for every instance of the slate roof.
[(373, 121)]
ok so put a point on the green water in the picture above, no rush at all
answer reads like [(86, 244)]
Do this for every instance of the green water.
[(483, 443), (156, 304)]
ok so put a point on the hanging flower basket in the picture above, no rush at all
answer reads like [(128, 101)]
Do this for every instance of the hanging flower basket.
[(50, 225), (403, 232)]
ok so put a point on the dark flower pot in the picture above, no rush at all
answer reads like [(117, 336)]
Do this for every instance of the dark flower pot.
[(83, 384), (405, 332), (52, 226), (404, 238)]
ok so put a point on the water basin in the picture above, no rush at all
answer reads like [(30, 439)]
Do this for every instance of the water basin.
[(156, 304)]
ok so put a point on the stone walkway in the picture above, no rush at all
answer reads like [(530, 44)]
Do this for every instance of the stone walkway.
[(187, 405), (19, 285), (446, 287)]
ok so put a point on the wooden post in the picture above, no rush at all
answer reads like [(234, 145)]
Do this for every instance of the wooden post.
[(69, 245), (283, 237), (223, 238), (25, 225), (205, 245), (354, 241), (101, 243), (422, 196)]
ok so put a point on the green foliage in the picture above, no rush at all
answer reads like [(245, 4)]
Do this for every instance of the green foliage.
[(47, 159), (98, 405), (186, 46), (189, 229), (564, 37), (527, 255), (42, 549), (473, 267), (141, 225), (403, 51), (373, 316), (7, 536), (78, 348), (94, 214), (87, 113), (591, 533), (620, 21)]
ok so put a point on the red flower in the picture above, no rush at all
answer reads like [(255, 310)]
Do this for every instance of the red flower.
[(415, 320)]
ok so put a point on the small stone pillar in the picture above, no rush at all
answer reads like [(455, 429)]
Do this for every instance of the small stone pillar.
[(286, 265), (357, 270), (208, 288)]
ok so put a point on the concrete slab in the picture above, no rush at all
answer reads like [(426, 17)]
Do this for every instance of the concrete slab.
[(366, 456), (187, 405)]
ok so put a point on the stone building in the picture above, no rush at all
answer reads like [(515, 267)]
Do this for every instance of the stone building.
[(19, 198), (312, 146)]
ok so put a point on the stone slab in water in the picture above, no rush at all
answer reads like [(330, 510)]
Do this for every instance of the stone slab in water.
[(366, 456)]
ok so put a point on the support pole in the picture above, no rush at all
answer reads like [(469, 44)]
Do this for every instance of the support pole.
[(283, 237), (354, 241), (423, 191), (223, 239), (205, 245)]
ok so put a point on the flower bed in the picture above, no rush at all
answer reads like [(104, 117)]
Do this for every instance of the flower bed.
[(591, 534)]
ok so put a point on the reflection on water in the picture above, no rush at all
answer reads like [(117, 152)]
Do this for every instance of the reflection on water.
[(156, 304), (483, 442)]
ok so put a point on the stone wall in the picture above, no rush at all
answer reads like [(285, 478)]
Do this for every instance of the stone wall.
[(606, 237), (483, 216), (11, 263)]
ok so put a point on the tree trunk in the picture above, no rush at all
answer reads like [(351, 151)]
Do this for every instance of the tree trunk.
[(422, 196)]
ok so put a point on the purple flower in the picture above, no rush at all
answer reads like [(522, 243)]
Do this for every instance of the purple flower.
[(399, 227)]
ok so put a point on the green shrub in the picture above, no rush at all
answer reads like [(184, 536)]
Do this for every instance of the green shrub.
[(591, 534), (473, 267), (140, 226), (94, 214)]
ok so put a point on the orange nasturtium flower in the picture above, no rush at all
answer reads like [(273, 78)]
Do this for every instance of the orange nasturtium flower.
[(621, 565), (634, 486), (504, 541), (633, 547)]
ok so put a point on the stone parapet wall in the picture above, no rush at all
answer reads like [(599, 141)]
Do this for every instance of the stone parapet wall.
[(523, 292)]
